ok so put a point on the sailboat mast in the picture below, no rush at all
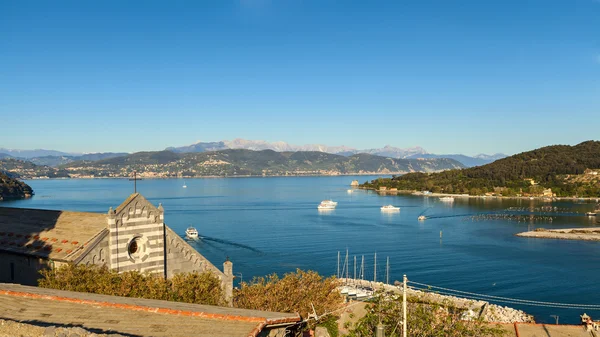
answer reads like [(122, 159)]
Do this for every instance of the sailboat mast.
[(387, 271), (375, 269), (338, 265), (346, 265), (362, 268), (354, 267)]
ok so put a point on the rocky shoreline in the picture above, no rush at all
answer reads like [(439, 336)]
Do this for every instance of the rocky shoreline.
[(480, 309)]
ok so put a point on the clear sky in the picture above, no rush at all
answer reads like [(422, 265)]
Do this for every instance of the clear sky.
[(463, 76)]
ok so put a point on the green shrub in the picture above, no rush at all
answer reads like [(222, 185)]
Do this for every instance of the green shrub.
[(199, 288)]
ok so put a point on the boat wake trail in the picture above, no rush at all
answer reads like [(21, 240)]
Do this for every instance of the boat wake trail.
[(230, 243)]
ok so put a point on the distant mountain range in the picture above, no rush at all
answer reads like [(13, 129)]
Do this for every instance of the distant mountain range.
[(55, 158), (478, 160), (26, 154), (230, 162), (386, 151)]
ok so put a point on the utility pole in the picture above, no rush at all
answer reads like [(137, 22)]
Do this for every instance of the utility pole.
[(404, 306), (380, 330)]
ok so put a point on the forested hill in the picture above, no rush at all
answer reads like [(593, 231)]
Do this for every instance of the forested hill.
[(239, 162), (12, 188), (559, 167)]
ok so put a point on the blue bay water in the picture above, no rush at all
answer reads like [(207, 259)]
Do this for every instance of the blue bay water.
[(272, 225)]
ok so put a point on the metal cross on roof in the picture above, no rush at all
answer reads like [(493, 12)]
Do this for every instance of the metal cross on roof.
[(135, 179)]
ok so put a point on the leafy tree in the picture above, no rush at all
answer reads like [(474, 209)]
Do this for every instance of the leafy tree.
[(295, 292)]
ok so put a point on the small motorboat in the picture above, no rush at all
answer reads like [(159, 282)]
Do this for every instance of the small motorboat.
[(390, 208), (191, 233), (327, 204), (422, 217), (591, 213)]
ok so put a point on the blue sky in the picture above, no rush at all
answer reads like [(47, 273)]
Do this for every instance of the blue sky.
[(464, 76)]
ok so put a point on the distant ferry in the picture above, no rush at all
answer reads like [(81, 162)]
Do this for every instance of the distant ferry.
[(448, 199), (327, 204), (191, 233), (389, 208)]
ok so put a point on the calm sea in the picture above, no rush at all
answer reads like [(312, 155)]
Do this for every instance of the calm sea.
[(271, 225)]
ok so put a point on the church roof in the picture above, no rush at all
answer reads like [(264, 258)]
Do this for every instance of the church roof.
[(133, 316), (58, 235), (127, 202)]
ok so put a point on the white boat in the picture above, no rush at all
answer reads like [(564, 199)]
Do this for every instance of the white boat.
[(422, 217), (327, 204), (184, 185), (191, 233), (447, 199), (390, 208), (591, 213), (344, 290), (363, 293), (352, 291)]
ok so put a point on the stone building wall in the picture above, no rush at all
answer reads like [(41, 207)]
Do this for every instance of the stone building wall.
[(181, 257), (99, 255), (21, 269)]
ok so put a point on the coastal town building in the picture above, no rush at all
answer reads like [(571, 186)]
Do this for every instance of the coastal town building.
[(133, 236)]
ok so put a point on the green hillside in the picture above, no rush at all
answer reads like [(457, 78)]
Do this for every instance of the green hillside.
[(559, 167), (12, 188)]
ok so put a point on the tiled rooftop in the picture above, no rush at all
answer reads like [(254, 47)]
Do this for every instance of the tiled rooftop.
[(131, 316), (59, 235)]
